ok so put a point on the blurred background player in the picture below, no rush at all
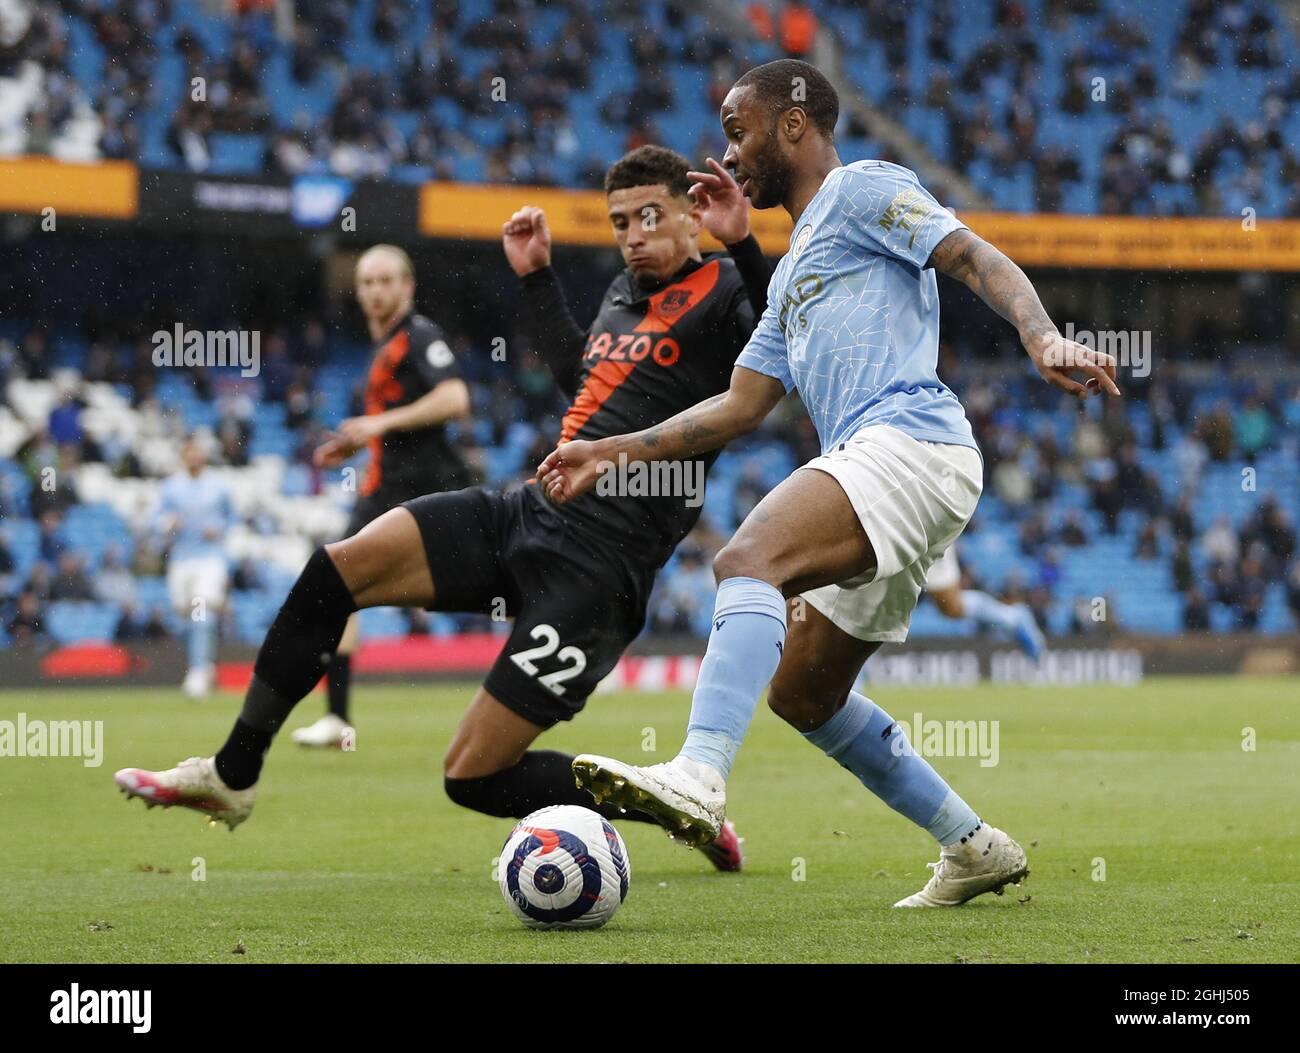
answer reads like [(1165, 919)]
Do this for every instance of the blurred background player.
[(412, 390), (193, 515), (943, 586)]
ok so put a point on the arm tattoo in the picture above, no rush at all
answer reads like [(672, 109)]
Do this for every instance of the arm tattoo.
[(693, 432), (995, 279), (684, 435)]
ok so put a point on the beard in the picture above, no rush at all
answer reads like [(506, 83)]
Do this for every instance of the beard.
[(772, 173)]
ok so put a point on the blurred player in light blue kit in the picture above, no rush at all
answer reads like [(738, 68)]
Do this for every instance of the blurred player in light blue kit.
[(193, 516), (943, 585)]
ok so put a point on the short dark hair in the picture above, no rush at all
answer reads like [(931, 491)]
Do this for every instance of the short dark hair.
[(647, 166), (774, 84)]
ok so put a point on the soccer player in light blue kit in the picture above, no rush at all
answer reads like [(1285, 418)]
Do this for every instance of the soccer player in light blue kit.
[(853, 323), (193, 515)]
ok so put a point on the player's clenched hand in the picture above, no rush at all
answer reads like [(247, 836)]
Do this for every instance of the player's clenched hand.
[(569, 470), (725, 210), (1056, 358), (527, 240)]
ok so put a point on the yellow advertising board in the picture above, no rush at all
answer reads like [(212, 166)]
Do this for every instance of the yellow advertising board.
[(578, 217), (107, 190)]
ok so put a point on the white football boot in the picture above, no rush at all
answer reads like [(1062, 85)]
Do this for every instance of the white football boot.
[(197, 684), (686, 798), (986, 861), (330, 732), (193, 783)]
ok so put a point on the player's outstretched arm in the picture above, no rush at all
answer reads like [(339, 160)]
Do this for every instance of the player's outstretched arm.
[(996, 280), (573, 467), (557, 337)]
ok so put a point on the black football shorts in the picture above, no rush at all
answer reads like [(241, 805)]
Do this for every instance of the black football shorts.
[(576, 604)]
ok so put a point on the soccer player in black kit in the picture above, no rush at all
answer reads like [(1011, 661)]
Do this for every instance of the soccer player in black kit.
[(413, 387), (575, 578)]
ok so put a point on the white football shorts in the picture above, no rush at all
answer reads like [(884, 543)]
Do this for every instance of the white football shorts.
[(204, 578), (913, 499)]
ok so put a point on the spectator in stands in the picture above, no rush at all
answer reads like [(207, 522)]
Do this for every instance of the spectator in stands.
[(114, 583), (27, 626), (277, 369), (1190, 457), (798, 29), (1072, 533), (299, 406), (1148, 542), (1252, 591), (188, 137), (760, 21), (1196, 612), (1220, 543), (1033, 534), (1049, 569), (1253, 427), (133, 625), (1013, 483), (50, 541), (7, 564), (1267, 532), (64, 424), (1182, 522), (1181, 569), (72, 582), (749, 491), (1293, 592), (1217, 432), (1106, 496)]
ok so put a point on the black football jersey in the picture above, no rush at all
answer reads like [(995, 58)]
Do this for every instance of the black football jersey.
[(649, 354), (408, 363)]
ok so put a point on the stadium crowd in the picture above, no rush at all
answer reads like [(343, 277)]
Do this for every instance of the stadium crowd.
[(1175, 506), (1087, 106), (1172, 510)]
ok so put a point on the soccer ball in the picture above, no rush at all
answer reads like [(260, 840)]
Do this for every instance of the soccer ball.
[(564, 867)]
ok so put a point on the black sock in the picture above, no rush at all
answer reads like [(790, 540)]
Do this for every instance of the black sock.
[(295, 653), (541, 778), (239, 761), (340, 684)]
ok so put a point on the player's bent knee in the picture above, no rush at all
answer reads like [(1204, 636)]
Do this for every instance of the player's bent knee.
[(739, 559), (384, 566), (353, 563), (802, 710)]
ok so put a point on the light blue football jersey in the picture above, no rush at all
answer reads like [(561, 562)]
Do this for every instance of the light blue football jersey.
[(852, 316), (197, 505)]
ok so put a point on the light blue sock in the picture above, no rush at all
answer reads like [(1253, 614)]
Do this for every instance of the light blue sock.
[(201, 644), (863, 738), (744, 650)]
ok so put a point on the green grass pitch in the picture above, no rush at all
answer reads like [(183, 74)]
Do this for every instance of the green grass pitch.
[(360, 856)]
